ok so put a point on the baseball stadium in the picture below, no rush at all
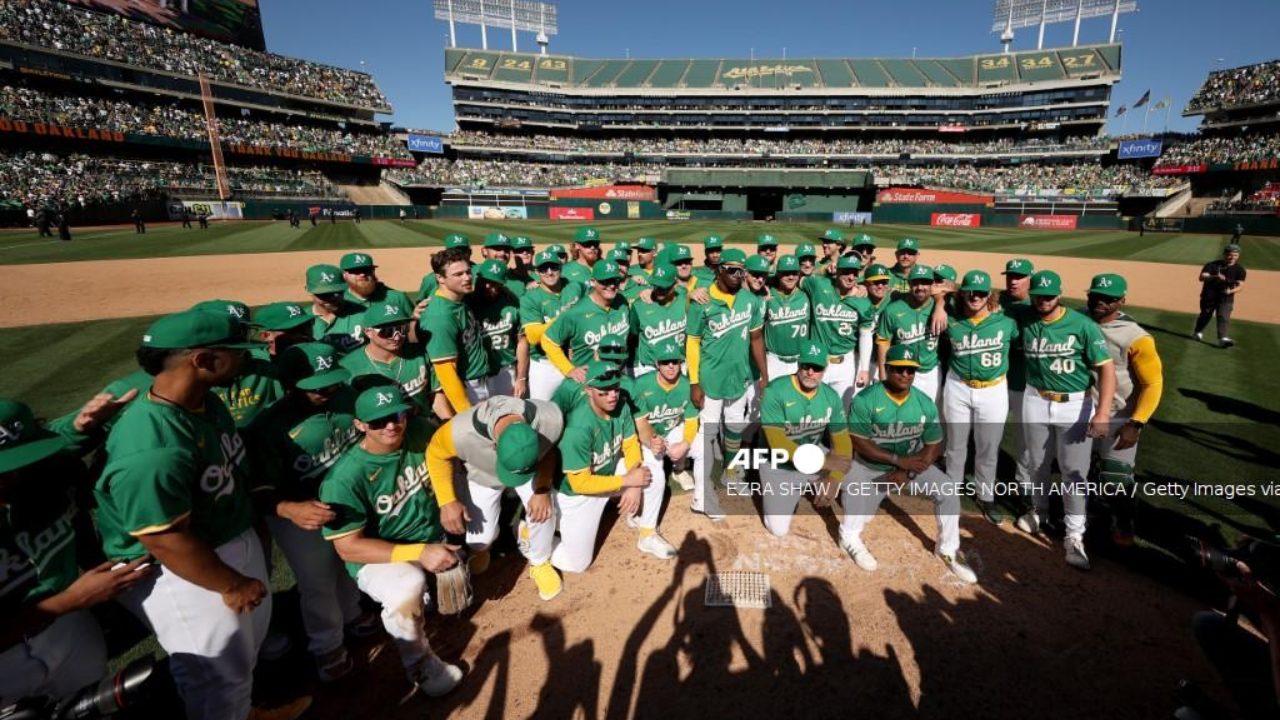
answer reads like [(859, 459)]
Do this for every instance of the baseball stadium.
[(807, 384)]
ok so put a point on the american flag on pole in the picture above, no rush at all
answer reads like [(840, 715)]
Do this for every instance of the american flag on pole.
[(1146, 97), (1121, 111)]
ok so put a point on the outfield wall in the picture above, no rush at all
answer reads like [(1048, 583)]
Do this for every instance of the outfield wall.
[(922, 214)]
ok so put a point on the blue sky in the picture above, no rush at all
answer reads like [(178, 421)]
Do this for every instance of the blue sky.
[(1169, 45)]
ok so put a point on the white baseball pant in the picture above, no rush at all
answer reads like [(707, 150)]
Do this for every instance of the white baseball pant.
[(982, 412), (1022, 471), (656, 464), (927, 382), (580, 523), (1106, 447), (212, 650), (842, 376), (862, 497), (544, 378), (401, 589), (502, 382), (1059, 430), (779, 367), (484, 505), (477, 390), (327, 595), (59, 660)]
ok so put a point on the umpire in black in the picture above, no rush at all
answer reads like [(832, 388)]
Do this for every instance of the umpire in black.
[(1220, 282)]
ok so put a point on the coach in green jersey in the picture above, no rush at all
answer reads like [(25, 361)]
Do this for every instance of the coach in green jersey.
[(786, 319), (336, 321), (580, 328), (386, 527), (498, 311), (454, 346), (389, 354), (906, 322), (896, 440), (659, 320), (538, 307), (843, 323)]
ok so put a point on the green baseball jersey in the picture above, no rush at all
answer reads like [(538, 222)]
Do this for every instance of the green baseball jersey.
[(901, 324), (253, 390), (537, 306), (37, 538), (165, 463), (725, 326), (805, 418), (381, 294), (877, 309), (980, 349), (428, 287), (388, 497), (1017, 378), (593, 443), (517, 284), (293, 444), (786, 323), (344, 332), (655, 324), (569, 395), (666, 408), (705, 276), (579, 329), (836, 320), (410, 371), (898, 283), (576, 272), (137, 380), (1060, 353), (902, 427), (499, 329), (453, 333)]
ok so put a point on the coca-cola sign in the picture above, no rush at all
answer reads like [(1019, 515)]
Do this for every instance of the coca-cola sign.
[(972, 220), (1048, 222)]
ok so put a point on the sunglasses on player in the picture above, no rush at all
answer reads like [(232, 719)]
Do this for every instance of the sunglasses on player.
[(389, 331), (399, 418), (614, 283), (733, 271), (905, 369), (809, 367)]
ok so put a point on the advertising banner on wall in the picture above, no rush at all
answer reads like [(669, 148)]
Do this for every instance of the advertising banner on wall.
[(972, 220), (607, 192), (489, 212), (851, 218), (426, 143), (1048, 222), (932, 197), (679, 215), (1141, 148), (571, 213), (1180, 169), (215, 209)]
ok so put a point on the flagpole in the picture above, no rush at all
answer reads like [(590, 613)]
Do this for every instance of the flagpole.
[(1168, 108), (1145, 118), (1125, 125)]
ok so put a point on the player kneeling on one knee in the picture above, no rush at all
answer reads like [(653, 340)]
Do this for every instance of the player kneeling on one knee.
[(667, 423), (503, 443), (387, 527), (801, 410), (896, 440), (601, 458)]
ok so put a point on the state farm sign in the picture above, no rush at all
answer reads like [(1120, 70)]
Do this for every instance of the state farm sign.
[(1048, 222), (956, 220), (930, 197)]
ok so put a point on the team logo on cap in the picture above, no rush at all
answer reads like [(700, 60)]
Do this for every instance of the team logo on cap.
[(384, 399), (1044, 281), (390, 310), (11, 432), (361, 259), (294, 310), (1103, 281), (327, 277), (324, 362), (906, 355), (235, 312)]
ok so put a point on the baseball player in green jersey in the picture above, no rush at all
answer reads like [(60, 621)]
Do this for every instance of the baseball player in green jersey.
[(1059, 417), (712, 249), (876, 280), (522, 252), (865, 247), (173, 488), (725, 351), (1139, 385), (787, 315), (363, 286), (631, 287), (612, 349), (386, 527), (50, 644), (906, 322), (833, 245), (336, 321), (538, 307), (496, 247), (256, 386), (601, 458), (389, 354), (586, 252), (498, 311), (757, 278), (667, 422), (1017, 284), (767, 248), (454, 345), (292, 444), (807, 256), (843, 323), (896, 440), (975, 400), (680, 258), (430, 282), (580, 328), (659, 320), (906, 255), (798, 410), (503, 443), (646, 249)]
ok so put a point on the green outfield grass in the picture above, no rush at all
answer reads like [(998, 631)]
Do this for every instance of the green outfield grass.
[(22, 247)]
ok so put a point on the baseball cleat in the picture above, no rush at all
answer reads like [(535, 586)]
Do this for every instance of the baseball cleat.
[(860, 555), (958, 567), (1226, 342), (656, 545), (684, 479), (547, 580), (1075, 553), (991, 511), (731, 475), (437, 677), (478, 563), (1198, 335), (711, 508), (366, 625), (1029, 522), (333, 665)]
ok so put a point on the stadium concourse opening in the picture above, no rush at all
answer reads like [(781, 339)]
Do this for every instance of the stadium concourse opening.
[(764, 203)]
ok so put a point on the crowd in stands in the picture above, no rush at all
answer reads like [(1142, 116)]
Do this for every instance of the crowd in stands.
[(1222, 150), (1265, 200), (34, 179), (1029, 179), (56, 25), (1249, 85), (172, 120), (772, 146), (485, 173)]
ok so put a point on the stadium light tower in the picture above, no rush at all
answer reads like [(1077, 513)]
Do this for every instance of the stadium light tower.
[(1012, 15), (527, 15)]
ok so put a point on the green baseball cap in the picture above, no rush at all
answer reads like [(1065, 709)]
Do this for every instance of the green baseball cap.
[(492, 270), (547, 257), (849, 262), (455, 240), (663, 277), (1046, 283), (517, 454), (1231, 248), (811, 353), (324, 279), (909, 245), (606, 270), (875, 271), (311, 366), (976, 281), (832, 235), (497, 240), (385, 314), (23, 441), (1018, 266), (901, 356), (282, 316), (757, 264), (356, 261), (233, 309), (622, 245), (521, 242), (863, 240), (679, 253), (788, 263), (602, 375), (645, 244), (766, 240), (668, 352), (612, 348), (196, 328), (586, 236), (1109, 284), (381, 401), (920, 272), (806, 250), (712, 242), (733, 256), (560, 251), (618, 255), (944, 272)]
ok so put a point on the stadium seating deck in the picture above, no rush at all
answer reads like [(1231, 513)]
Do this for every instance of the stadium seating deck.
[(607, 74), (552, 70), (997, 69), (1038, 67), (869, 73), (936, 73), (964, 70), (668, 73), (637, 74), (835, 73), (514, 68), (702, 73), (904, 73)]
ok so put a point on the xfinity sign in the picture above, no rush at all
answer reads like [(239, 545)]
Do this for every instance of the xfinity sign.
[(1144, 148), (426, 144)]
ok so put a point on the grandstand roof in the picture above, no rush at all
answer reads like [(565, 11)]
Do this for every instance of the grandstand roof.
[(679, 76)]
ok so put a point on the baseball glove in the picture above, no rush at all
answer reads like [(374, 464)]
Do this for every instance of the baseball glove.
[(453, 588)]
